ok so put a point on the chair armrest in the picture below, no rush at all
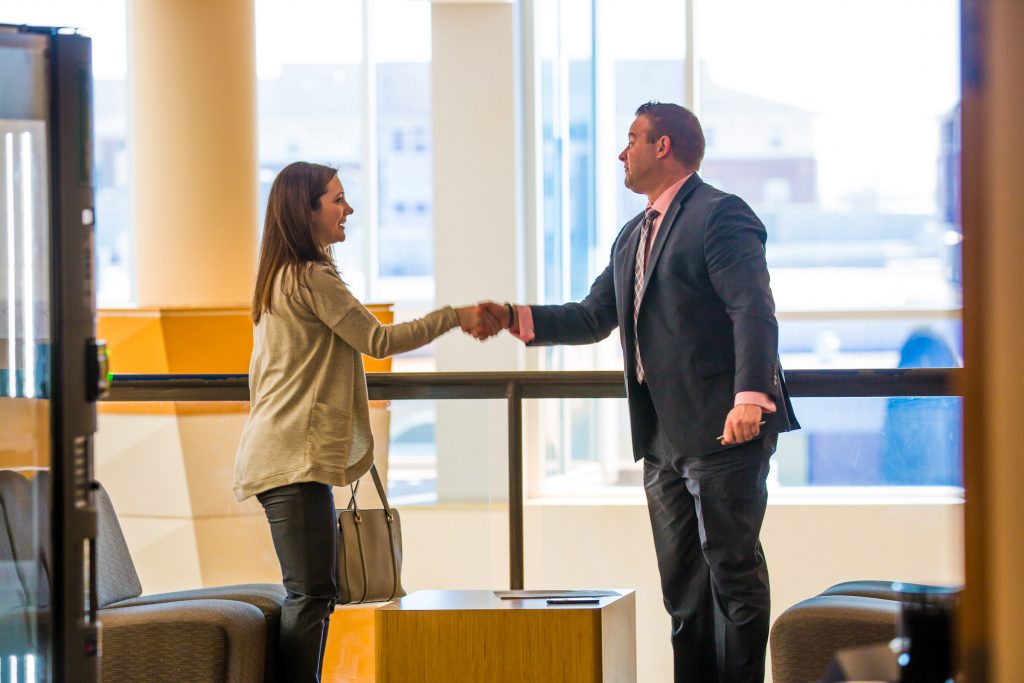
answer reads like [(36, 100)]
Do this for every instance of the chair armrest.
[(807, 635), (882, 590), (268, 597), (192, 640)]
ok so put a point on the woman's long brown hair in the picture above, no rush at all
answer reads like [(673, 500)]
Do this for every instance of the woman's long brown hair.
[(287, 231)]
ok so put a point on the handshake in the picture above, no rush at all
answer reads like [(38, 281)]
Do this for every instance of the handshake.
[(486, 319)]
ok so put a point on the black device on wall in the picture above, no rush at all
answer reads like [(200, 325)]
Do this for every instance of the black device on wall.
[(51, 367)]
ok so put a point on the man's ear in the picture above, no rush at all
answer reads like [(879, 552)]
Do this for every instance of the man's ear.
[(664, 146)]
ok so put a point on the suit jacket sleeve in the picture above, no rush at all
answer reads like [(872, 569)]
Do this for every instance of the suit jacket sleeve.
[(584, 322), (734, 252)]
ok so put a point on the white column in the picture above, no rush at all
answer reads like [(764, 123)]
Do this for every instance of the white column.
[(477, 214)]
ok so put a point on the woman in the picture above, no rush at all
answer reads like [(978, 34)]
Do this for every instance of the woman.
[(309, 422)]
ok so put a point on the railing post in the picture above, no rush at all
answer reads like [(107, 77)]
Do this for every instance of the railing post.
[(513, 394)]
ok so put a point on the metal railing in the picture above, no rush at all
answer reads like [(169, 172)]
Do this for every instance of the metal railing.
[(514, 387)]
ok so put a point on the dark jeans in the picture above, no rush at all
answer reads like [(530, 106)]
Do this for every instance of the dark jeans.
[(706, 513), (304, 527)]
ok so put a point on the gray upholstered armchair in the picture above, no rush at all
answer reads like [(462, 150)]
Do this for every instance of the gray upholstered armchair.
[(805, 637), (187, 640), (224, 633)]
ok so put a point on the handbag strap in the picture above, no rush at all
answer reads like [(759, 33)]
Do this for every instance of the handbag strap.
[(395, 570), (352, 505), (362, 560)]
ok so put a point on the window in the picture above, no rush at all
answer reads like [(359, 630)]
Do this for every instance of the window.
[(850, 158), (352, 90)]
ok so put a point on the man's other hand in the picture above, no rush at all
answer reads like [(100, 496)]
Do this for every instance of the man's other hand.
[(742, 424)]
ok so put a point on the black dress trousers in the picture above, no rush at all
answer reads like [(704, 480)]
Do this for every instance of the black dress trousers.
[(303, 524), (706, 514)]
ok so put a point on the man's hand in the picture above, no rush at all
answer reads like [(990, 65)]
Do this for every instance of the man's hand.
[(497, 311), (742, 424), (478, 322)]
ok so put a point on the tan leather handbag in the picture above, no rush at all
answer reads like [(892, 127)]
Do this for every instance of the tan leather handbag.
[(369, 550)]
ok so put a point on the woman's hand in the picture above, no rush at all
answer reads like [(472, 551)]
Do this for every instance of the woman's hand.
[(478, 322)]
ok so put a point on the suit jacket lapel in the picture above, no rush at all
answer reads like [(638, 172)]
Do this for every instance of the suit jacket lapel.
[(627, 273), (667, 223)]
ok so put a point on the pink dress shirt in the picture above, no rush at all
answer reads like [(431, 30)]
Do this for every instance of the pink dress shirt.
[(525, 332)]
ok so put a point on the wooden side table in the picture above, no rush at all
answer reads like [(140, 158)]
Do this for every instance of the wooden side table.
[(349, 655), (447, 636)]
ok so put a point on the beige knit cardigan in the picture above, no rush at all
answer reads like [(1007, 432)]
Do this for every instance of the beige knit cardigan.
[(309, 418)]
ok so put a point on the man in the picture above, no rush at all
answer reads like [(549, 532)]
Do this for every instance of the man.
[(688, 288)]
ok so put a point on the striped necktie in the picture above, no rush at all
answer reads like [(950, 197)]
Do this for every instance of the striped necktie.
[(638, 284)]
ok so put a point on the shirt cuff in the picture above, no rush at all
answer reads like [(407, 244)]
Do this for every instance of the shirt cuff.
[(764, 401), (524, 316)]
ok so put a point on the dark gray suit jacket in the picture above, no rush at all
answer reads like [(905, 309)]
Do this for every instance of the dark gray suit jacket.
[(706, 326)]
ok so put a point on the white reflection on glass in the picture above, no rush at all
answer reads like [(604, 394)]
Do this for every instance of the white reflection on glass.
[(12, 386), (20, 244), (28, 293)]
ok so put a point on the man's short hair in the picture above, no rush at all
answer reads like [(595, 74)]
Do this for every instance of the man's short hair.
[(681, 127)]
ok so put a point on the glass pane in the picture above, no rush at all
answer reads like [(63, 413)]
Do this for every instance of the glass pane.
[(848, 442), (638, 69), (901, 441), (851, 160), (585, 446), (310, 94), (24, 366), (911, 339), (594, 69), (412, 453), (405, 236), (232, 540), (565, 95)]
